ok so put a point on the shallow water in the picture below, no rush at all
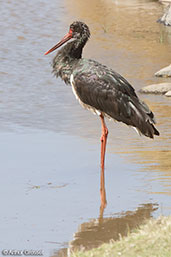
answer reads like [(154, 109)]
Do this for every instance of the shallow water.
[(50, 147)]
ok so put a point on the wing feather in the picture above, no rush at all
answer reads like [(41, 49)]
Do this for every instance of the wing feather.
[(109, 93)]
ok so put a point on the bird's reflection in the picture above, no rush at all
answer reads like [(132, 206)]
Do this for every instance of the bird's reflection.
[(98, 231)]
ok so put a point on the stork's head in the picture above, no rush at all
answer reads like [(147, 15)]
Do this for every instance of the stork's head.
[(78, 31)]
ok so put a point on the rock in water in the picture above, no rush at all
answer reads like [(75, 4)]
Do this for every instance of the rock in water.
[(168, 93), (160, 88), (166, 18), (165, 72)]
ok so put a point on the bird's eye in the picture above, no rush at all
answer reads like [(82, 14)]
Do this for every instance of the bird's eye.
[(76, 29)]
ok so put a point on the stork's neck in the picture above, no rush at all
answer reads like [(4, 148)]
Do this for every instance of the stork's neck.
[(67, 57)]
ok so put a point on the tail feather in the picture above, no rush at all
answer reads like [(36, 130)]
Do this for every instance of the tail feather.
[(143, 119), (149, 130), (156, 132)]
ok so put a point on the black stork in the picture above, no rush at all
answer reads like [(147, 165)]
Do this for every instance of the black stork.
[(100, 89)]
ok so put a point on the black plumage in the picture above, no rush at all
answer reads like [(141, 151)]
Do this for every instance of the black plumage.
[(101, 90), (98, 87)]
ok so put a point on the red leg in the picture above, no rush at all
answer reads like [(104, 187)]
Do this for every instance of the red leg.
[(103, 150)]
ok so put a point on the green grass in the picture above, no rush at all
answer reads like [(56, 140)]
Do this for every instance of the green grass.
[(151, 240)]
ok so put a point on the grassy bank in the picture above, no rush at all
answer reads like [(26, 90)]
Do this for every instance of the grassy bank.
[(152, 239)]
